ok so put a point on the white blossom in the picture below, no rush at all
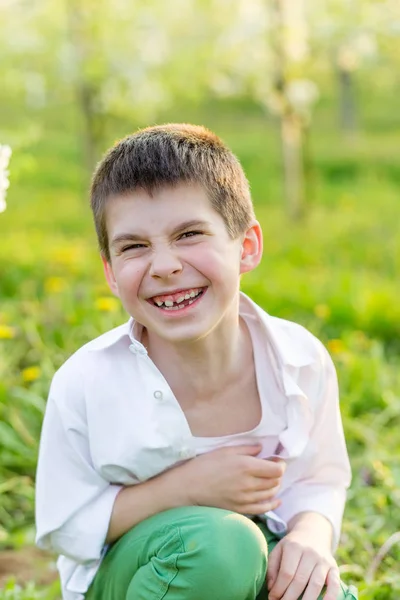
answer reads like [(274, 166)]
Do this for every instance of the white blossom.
[(5, 154), (302, 94)]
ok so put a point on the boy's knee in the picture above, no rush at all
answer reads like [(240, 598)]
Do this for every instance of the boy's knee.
[(229, 553), (196, 552)]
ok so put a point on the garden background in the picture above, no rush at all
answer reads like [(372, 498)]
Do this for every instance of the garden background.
[(306, 94)]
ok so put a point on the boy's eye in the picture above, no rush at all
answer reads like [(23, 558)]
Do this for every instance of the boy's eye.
[(132, 247), (190, 234)]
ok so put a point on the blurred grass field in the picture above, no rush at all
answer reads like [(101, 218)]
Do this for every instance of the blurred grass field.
[(334, 272)]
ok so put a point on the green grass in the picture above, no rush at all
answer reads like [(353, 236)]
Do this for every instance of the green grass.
[(334, 272), (13, 591)]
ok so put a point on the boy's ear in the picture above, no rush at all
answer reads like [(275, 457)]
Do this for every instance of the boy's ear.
[(252, 247), (108, 272)]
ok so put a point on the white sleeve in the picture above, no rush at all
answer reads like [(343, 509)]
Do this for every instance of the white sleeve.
[(319, 478), (73, 502)]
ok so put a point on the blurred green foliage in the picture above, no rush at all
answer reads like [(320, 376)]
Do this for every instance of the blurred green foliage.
[(334, 272)]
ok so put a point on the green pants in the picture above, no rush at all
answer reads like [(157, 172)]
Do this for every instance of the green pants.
[(189, 553)]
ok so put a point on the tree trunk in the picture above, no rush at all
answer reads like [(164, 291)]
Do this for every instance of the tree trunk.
[(91, 135), (293, 163), (86, 91), (291, 126), (347, 101)]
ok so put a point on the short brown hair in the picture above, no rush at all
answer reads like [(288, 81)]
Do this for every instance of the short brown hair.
[(167, 155)]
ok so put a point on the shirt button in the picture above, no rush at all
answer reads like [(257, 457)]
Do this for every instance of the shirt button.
[(137, 348), (158, 395), (185, 452)]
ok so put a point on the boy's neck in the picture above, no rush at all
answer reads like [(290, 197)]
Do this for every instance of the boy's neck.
[(207, 367)]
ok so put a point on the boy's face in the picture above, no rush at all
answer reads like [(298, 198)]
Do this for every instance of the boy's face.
[(173, 264)]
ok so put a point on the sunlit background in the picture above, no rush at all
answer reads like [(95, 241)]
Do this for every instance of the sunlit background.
[(306, 93)]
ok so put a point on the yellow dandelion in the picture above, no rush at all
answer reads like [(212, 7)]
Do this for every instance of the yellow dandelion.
[(381, 501), (54, 285), (67, 255), (107, 304), (6, 332), (322, 311), (361, 339), (31, 374), (381, 470), (336, 346)]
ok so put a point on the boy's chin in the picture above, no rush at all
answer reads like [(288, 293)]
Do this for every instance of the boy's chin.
[(179, 335), (177, 338)]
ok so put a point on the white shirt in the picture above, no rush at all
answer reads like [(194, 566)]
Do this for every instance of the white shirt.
[(112, 420)]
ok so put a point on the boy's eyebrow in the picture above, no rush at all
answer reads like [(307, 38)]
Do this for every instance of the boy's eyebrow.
[(124, 237)]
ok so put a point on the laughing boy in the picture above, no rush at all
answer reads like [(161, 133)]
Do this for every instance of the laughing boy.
[(197, 451)]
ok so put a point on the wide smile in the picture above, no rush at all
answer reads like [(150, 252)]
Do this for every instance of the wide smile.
[(178, 302)]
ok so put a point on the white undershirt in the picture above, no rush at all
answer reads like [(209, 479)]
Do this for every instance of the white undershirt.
[(273, 413)]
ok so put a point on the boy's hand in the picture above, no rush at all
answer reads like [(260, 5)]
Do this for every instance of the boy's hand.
[(234, 479), (300, 564)]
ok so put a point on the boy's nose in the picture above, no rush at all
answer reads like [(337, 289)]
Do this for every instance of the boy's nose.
[(164, 264)]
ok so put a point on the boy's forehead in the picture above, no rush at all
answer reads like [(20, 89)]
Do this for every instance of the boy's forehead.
[(170, 207), (181, 191)]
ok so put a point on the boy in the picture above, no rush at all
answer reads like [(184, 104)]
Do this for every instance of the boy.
[(176, 447)]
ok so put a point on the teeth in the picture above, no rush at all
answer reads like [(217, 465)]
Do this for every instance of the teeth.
[(174, 305)]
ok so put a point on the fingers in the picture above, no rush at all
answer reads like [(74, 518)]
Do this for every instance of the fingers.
[(247, 450), (258, 508), (262, 485), (293, 574), (309, 577), (274, 561), (332, 584), (289, 562), (316, 584), (257, 467), (266, 468), (261, 496)]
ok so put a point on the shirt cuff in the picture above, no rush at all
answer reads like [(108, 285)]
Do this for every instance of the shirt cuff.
[(82, 537), (325, 501)]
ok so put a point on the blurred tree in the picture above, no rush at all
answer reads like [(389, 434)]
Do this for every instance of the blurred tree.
[(84, 23), (386, 25), (31, 37), (5, 154), (292, 95), (344, 34), (128, 61)]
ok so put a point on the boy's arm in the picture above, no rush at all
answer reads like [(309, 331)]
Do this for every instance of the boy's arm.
[(161, 493), (313, 525), (227, 478), (321, 477), (77, 511), (302, 563), (73, 503)]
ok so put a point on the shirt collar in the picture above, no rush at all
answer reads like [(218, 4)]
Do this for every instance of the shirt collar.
[(129, 331), (290, 349)]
